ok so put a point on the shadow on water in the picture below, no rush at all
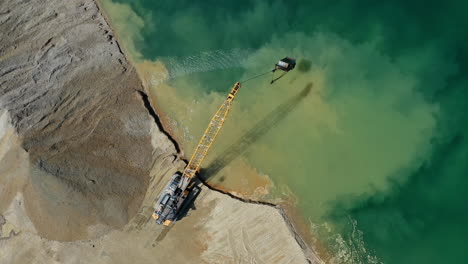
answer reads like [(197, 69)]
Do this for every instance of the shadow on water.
[(304, 65), (254, 134), (236, 149)]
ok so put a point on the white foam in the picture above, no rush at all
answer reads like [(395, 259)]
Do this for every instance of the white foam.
[(346, 250), (206, 61)]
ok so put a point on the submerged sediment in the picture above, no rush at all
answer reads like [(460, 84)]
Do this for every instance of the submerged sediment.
[(83, 156)]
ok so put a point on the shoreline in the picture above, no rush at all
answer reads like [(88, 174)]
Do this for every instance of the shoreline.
[(164, 120), (293, 219)]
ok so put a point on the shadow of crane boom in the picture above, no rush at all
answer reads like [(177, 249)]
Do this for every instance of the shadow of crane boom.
[(254, 134)]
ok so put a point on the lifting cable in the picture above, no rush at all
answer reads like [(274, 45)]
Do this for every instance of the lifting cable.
[(273, 79), (256, 76)]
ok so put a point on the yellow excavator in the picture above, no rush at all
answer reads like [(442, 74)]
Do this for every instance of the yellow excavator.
[(176, 193)]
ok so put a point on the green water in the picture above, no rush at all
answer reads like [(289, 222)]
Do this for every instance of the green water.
[(376, 153)]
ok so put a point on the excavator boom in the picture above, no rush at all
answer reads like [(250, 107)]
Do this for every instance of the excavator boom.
[(208, 138)]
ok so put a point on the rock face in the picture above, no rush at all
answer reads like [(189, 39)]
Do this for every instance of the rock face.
[(82, 159)]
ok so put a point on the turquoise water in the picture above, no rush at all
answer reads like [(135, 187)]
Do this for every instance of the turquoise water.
[(376, 154)]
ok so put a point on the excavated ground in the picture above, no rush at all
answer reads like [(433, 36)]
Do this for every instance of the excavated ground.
[(83, 157)]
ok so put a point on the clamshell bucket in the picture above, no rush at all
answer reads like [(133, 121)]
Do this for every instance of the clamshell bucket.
[(285, 64)]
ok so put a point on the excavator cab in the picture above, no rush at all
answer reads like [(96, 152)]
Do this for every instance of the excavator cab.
[(285, 64)]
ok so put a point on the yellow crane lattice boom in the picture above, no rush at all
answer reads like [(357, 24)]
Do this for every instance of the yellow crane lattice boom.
[(208, 138)]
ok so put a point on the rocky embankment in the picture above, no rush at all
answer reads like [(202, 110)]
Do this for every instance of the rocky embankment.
[(82, 158)]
